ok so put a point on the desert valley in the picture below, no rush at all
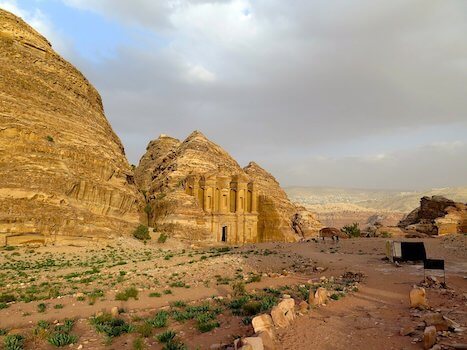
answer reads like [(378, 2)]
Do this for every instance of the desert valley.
[(188, 249)]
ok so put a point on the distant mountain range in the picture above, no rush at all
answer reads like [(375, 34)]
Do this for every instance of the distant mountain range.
[(384, 200), (341, 206)]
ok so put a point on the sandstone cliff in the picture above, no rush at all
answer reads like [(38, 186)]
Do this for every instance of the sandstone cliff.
[(437, 215), (167, 165), (63, 173), (279, 218)]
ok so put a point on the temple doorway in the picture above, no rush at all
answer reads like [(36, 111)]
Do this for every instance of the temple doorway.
[(224, 233)]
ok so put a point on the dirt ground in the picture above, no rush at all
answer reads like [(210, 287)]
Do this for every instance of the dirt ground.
[(52, 284)]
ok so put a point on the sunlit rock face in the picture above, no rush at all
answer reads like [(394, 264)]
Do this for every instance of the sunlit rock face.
[(64, 177), (437, 215), (196, 190)]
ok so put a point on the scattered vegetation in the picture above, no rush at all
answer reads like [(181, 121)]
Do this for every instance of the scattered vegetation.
[(14, 342), (162, 238), (111, 326), (142, 233), (128, 293), (352, 230)]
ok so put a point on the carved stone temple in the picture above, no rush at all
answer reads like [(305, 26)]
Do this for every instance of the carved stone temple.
[(229, 203)]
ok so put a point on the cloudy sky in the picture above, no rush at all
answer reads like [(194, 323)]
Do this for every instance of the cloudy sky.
[(361, 93)]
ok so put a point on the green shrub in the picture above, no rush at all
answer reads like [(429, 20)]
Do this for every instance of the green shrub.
[(178, 303), (7, 298), (145, 329), (62, 339), (41, 307), (335, 296), (138, 344), (238, 289), (174, 345), (141, 233), (352, 230), (49, 138), (160, 319), (251, 308), (128, 293), (166, 336), (112, 327), (162, 238), (59, 306), (3, 305), (14, 342), (155, 295)]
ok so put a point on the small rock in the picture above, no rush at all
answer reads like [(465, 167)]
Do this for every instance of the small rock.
[(407, 330), (418, 298), (321, 297), (114, 311), (303, 306), (429, 337)]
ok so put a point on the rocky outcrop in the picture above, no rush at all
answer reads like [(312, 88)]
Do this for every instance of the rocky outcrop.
[(437, 215), (63, 173), (184, 182), (279, 218)]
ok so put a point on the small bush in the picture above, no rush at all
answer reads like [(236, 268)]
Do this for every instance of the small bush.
[(162, 238), (3, 305), (59, 306), (160, 319), (145, 329), (128, 293), (14, 342), (141, 233), (238, 289), (7, 298), (174, 345), (251, 308), (112, 327), (155, 295), (49, 138), (41, 307), (166, 336), (62, 339), (138, 344), (352, 230)]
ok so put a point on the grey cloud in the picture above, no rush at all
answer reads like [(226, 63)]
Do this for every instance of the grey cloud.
[(293, 79)]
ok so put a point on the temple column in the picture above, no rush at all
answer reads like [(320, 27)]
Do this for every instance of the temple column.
[(254, 198)]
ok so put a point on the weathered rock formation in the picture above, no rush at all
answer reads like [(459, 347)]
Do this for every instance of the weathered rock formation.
[(63, 173), (279, 218), (437, 216), (196, 190)]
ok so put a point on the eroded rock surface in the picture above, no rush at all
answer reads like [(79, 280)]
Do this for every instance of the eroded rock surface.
[(437, 215), (63, 173)]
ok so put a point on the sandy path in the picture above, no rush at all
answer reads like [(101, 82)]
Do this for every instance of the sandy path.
[(373, 317)]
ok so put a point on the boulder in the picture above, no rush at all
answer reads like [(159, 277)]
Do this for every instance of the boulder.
[(429, 337), (114, 311), (320, 297), (418, 298), (268, 341), (311, 297), (263, 323), (303, 306), (252, 343), (283, 313)]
